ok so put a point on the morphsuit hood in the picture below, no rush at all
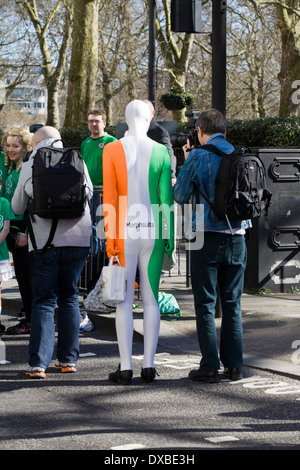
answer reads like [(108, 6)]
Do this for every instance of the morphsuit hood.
[(138, 118)]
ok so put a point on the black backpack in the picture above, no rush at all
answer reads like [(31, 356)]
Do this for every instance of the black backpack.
[(58, 187), (240, 188)]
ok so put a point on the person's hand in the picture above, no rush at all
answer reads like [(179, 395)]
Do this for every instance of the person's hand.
[(187, 148), (111, 253), (169, 247), (21, 240), (185, 151), (111, 250)]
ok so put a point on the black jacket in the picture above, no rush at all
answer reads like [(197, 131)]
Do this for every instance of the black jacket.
[(161, 135)]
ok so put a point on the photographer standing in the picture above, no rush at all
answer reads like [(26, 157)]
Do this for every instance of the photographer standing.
[(221, 260)]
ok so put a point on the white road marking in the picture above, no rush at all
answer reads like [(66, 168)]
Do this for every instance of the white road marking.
[(221, 439), (174, 362), (128, 447)]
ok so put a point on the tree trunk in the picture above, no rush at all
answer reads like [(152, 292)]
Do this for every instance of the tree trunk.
[(84, 63), (107, 98), (53, 118), (176, 54), (289, 24)]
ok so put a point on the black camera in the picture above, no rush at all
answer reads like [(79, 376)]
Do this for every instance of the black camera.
[(179, 140), (193, 138), (35, 127)]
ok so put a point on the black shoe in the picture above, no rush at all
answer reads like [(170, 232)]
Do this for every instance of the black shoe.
[(233, 373), (148, 374), (2, 328), (204, 376), (22, 328), (21, 314), (121, 377)]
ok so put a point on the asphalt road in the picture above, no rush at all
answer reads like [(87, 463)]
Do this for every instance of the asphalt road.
[(173, 416)]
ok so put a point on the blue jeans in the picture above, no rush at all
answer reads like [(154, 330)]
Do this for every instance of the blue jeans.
[(56, 274), (222, 260)]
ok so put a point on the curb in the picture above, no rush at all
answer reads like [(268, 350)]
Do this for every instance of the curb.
[(173, 340)]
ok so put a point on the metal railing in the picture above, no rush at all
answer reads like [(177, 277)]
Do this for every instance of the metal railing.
[(94, 264)]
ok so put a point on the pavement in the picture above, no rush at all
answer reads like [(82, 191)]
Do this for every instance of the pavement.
[(271, 324)]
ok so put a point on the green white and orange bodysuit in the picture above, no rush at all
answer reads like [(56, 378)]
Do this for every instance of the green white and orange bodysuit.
[(139, 223)]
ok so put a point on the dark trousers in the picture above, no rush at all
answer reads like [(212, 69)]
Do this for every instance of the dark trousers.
[(222, 260), (23, 275)]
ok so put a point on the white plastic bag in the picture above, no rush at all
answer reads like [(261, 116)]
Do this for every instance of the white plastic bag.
[(114, 279), (94, 300)]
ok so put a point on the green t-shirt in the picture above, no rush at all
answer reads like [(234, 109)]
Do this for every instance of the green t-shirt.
[(6, 213), (3, 172), (91, 151), (10, 184)]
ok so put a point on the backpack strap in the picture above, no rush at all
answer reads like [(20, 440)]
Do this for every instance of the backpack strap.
[(237, 148), (56, 140), (211, 148), (29, 217), (51, 234)]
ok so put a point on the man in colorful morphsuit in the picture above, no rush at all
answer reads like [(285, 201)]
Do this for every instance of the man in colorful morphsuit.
[(138, 210)]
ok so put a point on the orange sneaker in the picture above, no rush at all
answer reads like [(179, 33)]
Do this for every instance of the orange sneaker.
[(67, 368), (36, 372)]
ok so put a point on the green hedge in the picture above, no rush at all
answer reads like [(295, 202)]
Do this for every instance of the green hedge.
[(265, 132), (74, 137), (257, 133)]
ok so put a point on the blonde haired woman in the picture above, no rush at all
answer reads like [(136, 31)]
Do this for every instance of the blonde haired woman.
[(16, 142)]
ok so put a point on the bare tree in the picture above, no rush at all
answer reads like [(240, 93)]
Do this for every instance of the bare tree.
[(42, 15), (122, 48), (16, 51), (253, 61), (288, 21), (175, 49), (288, 17)]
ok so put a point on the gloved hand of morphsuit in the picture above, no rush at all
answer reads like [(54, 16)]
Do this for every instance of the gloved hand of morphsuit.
[(169, 247)]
